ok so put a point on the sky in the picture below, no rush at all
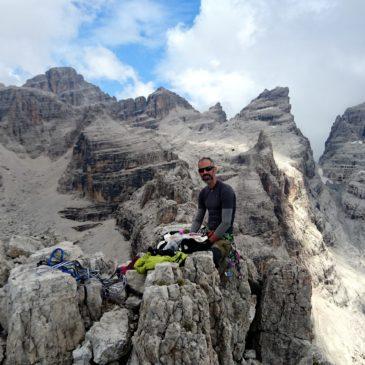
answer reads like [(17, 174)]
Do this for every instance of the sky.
[(206, 51)]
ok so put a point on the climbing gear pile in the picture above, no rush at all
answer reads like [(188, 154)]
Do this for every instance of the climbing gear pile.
[(81, 274)]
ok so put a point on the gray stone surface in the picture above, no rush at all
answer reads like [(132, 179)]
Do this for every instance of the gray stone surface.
[(110, 338), (71, 252), (185, 318), (35, 122), (94, 299), (22, 246), (135, 280), (285, 330), (82, 354), (5, 265), (43, 320), (343, 165), (69, 86)]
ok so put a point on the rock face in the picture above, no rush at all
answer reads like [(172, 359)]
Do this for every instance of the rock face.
[(42, 304), (270, 112), (184, 318), (284, 320), (110, 166), (157, 106), (161, 201), (343, 165), (345, 148), (34, 122), (69, 86)]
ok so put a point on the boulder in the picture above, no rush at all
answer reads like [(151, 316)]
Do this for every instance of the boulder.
[(43, 320), (71, 252), (110, 338), (94, 298), (135, 280), (22, 246)]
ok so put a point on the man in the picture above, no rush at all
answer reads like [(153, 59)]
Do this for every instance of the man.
[(220, 201)]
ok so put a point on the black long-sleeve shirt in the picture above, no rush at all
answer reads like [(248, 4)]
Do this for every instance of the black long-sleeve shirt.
[(221, 205)]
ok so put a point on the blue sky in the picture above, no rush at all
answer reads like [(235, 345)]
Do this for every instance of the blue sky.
[(206, 51)]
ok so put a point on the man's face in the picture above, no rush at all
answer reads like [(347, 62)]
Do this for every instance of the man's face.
[(207, 170)]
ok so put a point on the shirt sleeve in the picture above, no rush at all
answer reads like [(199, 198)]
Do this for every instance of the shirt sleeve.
[(225, 224), (199, 216), (228, 198)]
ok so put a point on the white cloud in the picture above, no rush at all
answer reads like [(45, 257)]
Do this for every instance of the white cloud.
[(31, 32), (204, 87), (137, 21), (236, 48), (100, 63), (137, 88)]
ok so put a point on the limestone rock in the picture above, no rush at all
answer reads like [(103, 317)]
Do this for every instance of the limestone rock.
[(2, 349), (94, 299), (184, 318), (110, 338), (36, 122), (110, 166), (344, 152), (71, 252), (218, 113), (343, 165), (270, 112), (162, 101), (164, 198), (285, 331), (42, 305), (133, 303), (5, 265), (172, 322), (22, 246), (69, 86), (135, 280), (82, 354)]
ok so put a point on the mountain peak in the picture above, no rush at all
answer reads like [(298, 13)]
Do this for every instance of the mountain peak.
[(270, 105), (70, 86), (162, 101)]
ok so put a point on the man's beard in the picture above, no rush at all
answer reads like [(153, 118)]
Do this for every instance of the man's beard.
[(206, 178)]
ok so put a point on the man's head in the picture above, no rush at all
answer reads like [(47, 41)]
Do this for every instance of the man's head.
[(207, 170)]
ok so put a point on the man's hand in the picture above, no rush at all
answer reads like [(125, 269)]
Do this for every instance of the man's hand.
[(212, 237)]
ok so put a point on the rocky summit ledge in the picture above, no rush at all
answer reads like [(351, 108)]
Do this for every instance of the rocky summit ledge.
[(174, 315)]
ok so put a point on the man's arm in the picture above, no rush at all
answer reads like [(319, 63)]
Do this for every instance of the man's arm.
[(199, 216), (198, 220), (225, 224), (228, 202)]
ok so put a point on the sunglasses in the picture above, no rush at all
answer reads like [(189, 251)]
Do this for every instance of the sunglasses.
[(208, 168)]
